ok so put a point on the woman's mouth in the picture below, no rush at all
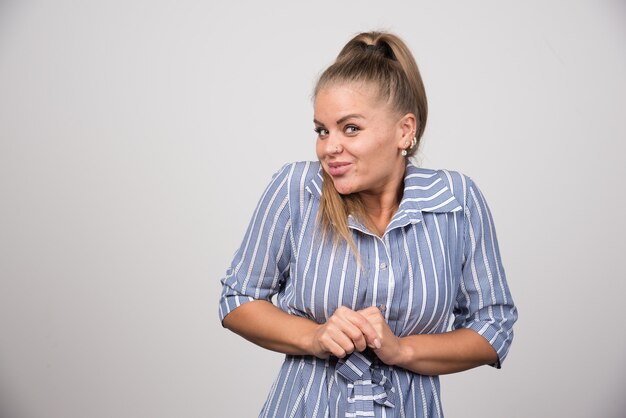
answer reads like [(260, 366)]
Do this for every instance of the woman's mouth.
[(338, 168)]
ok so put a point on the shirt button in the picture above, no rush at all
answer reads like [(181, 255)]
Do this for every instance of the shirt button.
[(383, 266)]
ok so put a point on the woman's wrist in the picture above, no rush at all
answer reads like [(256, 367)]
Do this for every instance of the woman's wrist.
[(306, 341), (406, 352)]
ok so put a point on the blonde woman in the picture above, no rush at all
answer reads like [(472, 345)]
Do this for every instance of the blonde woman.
[(386, 274)]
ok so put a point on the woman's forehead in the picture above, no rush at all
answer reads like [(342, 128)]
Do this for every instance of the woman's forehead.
[(345, 98)]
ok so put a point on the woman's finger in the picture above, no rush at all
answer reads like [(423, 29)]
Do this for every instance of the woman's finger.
[(347, 335), (372, 337), (335, 349)]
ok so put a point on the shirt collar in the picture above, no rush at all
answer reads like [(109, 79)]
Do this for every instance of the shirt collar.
[(425, 190)]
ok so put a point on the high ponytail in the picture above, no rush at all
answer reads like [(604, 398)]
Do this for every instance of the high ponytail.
[(384, 61)]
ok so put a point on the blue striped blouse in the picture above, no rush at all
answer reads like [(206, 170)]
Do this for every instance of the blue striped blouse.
[(436, 267)]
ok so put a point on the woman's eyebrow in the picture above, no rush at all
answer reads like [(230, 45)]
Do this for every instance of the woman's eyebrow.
[(342, 119), (350, 116)]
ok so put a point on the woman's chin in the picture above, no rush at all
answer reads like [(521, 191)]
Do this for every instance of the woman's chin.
[(344, 189)]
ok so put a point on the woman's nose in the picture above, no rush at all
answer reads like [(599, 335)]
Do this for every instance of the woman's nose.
[(334, 144)]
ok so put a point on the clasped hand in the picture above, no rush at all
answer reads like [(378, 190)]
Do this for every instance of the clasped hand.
[(347, 331)]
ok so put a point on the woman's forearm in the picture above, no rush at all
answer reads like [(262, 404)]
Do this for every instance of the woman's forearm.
[(266, 325), (449, 352)]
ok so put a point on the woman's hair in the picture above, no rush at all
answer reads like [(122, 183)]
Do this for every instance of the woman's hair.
[(381, 60)]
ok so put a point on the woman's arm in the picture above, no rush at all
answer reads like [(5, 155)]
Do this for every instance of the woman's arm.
[(450, 352), (266, 325)]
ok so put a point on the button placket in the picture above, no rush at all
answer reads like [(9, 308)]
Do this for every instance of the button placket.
[(384, 272)]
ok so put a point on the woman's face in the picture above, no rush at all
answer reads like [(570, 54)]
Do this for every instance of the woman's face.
[(360, 139)]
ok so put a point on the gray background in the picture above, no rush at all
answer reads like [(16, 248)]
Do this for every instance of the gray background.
[(136, 137)]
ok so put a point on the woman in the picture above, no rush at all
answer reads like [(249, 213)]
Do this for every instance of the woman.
[(369, 257)]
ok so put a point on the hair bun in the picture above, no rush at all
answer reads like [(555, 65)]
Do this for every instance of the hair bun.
[(381, 48)]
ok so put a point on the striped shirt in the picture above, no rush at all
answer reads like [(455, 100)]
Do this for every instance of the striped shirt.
[(436, 267)]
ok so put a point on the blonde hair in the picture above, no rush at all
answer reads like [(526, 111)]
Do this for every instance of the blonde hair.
[(384, 61)]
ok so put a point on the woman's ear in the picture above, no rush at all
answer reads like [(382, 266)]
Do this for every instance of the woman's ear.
[(408, 128)]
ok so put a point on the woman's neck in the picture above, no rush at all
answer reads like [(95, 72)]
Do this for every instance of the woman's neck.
[(381, 207)]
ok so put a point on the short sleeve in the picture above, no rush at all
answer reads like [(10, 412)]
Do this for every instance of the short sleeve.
[(261, 263), (484, 302)]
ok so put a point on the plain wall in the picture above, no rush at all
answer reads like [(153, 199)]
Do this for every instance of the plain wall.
[(136, 137)]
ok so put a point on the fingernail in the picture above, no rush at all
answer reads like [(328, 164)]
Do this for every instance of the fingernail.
[(377, 343)]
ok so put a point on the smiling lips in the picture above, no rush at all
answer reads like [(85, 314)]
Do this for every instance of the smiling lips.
[(338, 168)]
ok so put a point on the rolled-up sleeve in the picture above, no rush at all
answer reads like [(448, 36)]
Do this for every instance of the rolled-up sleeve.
[(484, 302), (261, 264)]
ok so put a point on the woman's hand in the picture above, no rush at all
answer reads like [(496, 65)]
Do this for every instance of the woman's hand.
[(391, 349), (345, 331)]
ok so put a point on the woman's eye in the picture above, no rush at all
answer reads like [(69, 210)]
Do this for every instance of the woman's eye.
[(321, 131), (351, 129)]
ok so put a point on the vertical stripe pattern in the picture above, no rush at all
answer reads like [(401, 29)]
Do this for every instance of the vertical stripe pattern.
[(438, 259)]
